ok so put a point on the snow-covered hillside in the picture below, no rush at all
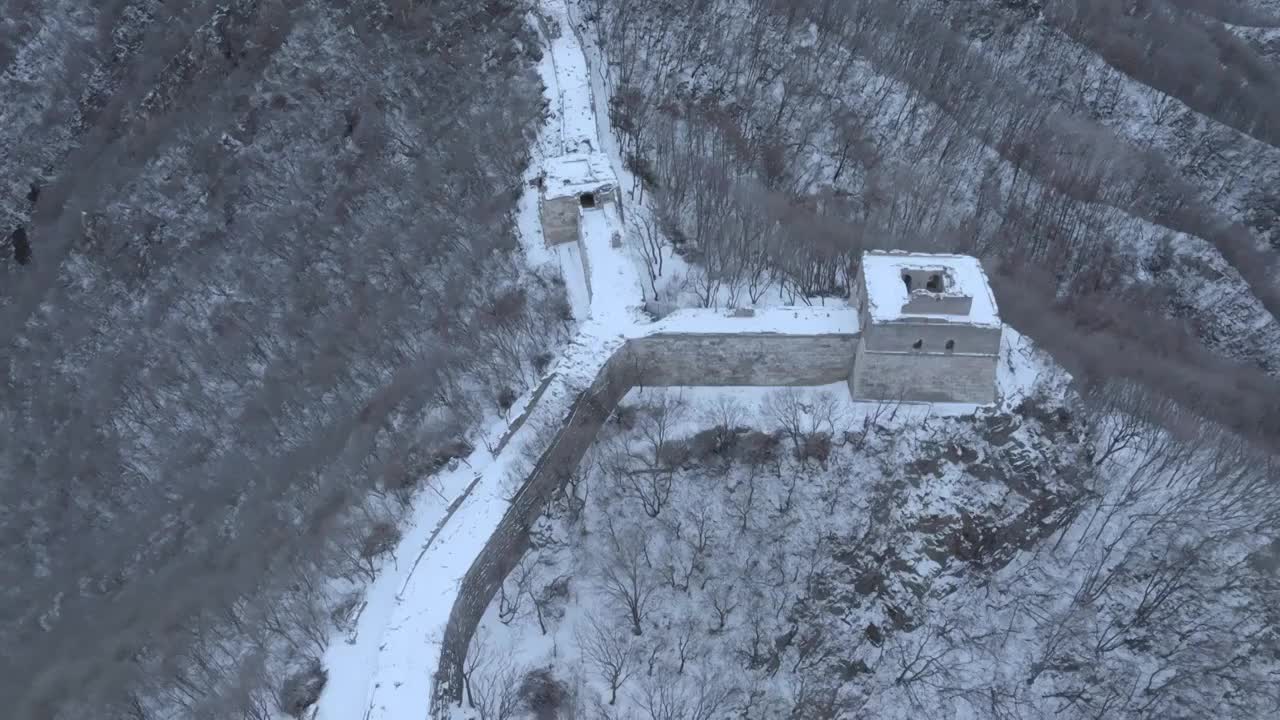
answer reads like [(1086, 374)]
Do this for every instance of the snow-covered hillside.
[(296, 392)]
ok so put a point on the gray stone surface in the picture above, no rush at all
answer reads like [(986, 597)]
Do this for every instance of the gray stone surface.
[(510, 540), (932, 377), (559, 220), (937, 304), (900, 336), (665, 360)]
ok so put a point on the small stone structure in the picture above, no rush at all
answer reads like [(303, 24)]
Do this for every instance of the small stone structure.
[(930, 329), (574, 183)]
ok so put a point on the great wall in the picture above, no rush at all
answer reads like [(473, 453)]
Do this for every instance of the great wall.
[(398, 661)]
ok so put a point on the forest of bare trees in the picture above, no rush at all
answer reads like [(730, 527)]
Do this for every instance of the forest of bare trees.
[(261, 280), (776, 141)]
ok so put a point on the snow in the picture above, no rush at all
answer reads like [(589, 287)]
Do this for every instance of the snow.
[(886, 293), (573, 113), (1024, 370), (576, 173), (795, 320), (614, 281), (384, 671), (355, 662), (575, 279), (793, 529)]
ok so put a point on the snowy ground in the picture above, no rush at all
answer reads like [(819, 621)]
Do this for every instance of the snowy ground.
[(920, 570)]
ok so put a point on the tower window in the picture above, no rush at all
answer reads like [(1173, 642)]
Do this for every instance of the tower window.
[(951, 344), (917, 344), (934, 284), (906, 280)]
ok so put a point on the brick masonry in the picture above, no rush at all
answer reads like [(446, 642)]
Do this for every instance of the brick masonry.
[(510, 540), (922, 376), (900, 336)]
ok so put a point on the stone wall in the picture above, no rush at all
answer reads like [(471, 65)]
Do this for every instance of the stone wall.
[(922, 376), (900, 336), (937, 304), (585, 257), (742, 359), (510, 540), (559, 220)]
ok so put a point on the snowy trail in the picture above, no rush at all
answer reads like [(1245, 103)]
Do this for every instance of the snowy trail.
[(575, 280), (571, 94)]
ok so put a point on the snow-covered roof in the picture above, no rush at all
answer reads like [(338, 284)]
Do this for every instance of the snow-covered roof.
[(782, 320), (963, 277), (576, 173)]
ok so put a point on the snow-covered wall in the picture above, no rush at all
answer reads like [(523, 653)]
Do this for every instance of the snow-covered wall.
[(559, 220)]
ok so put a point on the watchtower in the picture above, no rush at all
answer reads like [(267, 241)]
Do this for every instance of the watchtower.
[(574, 184), (930, 329)]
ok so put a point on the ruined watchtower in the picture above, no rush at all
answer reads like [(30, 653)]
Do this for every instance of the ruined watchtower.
[(573, 184), (930, 329)]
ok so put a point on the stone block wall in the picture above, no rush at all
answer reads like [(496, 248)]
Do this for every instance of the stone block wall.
[(922, 376), (686, 359), (938, 304), (559, 220), (900, 336), (585, 257), (742, 359)]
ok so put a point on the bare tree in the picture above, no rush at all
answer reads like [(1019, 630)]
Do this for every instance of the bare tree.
[(723, 601), (518, 584), (742, 499), (612, 651), (496, 690), (803, 415), (922, 656), (648, 476), (626, 575), (653, 248)]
